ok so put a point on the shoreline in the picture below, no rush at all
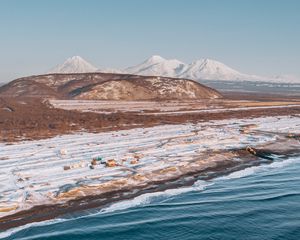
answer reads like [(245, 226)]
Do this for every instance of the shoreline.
[(222, 167)]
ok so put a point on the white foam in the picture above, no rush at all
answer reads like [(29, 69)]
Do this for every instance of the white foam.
[(255, 169), (137, 201), (147, 198), (12, 231)]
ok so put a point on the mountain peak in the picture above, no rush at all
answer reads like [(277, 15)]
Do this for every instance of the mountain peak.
[(210, 69), (155, 59), (157, 66), (75, 58), (75, 64), (205, 61)]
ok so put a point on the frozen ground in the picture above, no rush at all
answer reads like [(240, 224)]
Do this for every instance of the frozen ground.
[(31, 173), (168, 107)]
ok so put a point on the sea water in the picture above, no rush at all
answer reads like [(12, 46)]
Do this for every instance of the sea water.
[(261, 202)]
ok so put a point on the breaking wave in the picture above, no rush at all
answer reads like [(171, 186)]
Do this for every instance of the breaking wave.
[(255, 169), (147, 198), (137, 201), (12, 231)]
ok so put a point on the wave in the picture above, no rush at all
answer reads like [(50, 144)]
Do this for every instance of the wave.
[(255, 169), (12, 231), (147, 198), (137, 201), (277, 197)]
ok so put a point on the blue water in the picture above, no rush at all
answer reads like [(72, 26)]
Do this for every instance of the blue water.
[(257, 203)]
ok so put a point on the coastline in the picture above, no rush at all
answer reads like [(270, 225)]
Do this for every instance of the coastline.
[(226, 164)]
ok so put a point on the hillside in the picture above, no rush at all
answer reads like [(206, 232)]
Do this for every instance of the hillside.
[(106, 86)]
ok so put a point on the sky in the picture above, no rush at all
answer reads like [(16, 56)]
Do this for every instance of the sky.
[(252, 36)]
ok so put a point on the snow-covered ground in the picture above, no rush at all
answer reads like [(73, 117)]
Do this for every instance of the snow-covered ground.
[(32, 172), (166, 107), (127, 106), (221, 110)]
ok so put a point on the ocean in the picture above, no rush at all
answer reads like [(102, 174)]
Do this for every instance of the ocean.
[(261, 202)]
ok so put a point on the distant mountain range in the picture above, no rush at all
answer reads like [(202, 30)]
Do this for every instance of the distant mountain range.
[(203, 69)]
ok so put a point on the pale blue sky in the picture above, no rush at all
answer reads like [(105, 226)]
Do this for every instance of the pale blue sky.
[(252, 36)]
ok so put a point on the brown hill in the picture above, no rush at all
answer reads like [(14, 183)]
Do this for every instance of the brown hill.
[(106, 86)]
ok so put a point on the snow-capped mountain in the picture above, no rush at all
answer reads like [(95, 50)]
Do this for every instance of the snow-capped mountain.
[(212, 70), (158, 66), (74, 64), (203, 69)]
